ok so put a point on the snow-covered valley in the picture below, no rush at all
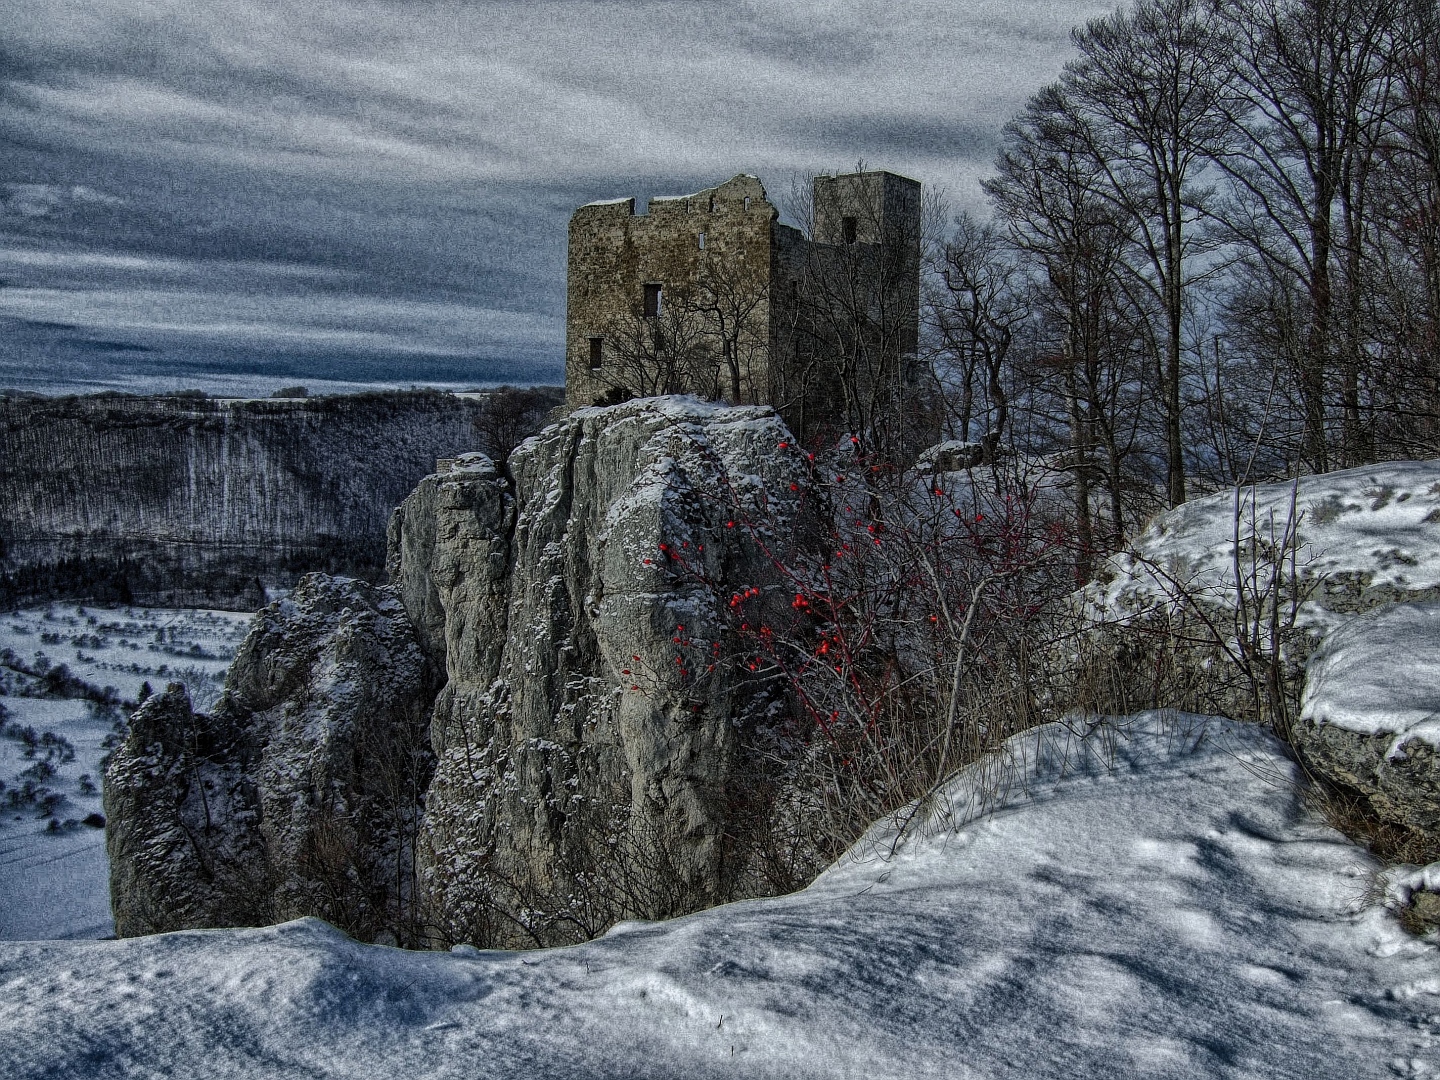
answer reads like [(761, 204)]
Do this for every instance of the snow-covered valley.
[(53, 874)]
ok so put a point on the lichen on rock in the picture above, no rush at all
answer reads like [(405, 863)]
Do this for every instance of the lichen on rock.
[(1370, 713)]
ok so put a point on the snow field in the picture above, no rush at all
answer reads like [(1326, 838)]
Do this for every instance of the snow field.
[(125, 647), (54, 883), (1151, 901), (54, 879)]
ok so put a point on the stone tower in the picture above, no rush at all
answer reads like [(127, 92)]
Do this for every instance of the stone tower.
[(710, 294), (880, 212)]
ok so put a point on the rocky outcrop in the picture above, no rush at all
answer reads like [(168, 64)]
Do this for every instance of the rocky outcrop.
[(599, 752), (449, 545), (190, 501), (181, 817), (1401, 785), (595, 740), (298, 795), (1370, 713), (1343, 568)]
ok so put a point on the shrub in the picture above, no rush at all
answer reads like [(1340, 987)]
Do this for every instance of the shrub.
[(907, 635)]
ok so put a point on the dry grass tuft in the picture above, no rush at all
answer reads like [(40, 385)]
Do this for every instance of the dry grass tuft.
[(1351, 813)]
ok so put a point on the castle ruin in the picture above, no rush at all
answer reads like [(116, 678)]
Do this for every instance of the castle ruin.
[(710, 294)]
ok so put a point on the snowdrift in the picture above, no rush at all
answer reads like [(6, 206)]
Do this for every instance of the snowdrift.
[(1148, 900)]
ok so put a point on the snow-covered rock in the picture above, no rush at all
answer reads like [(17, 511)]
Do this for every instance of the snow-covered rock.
[(299, 794), (1335, 547), (1370, 711), (952, 455), (449, 556), (590, 737), (1362, 538), (593, 738), (1151, 902)]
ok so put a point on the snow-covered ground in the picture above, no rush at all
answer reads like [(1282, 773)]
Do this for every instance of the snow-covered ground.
[(54, 877), (1380, 522), (1152, 902)]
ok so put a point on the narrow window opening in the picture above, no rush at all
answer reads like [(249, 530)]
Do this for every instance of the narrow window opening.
[(659, 339), (712, 204), (847, 229), (702, 241), (597, 353), (652, 300), (747, 202)]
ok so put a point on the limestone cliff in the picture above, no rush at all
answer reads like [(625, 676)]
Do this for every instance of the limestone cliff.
[(599, 754), (298, 795), (595, 743)]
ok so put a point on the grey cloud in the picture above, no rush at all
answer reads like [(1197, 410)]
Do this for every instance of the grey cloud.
[(920, 140), (46, 200), (293, 320), (430, 152), (515, 92)]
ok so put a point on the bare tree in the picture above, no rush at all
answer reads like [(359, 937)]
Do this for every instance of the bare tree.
[(510, 415), (1048, 193), (854, 332), (709, 336), (1406, 214), (732, 298), (1149, 93), (975, 309), (668, 352), (1314, 90)]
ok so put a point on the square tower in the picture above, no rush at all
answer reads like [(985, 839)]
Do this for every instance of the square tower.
[(879, 212)]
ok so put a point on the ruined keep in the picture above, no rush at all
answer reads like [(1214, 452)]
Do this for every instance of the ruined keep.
[(709, 294)]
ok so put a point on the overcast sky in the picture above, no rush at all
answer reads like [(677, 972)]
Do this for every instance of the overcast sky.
[(243, 193)]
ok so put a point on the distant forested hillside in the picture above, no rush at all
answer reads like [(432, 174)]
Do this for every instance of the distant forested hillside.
[(187, 500)]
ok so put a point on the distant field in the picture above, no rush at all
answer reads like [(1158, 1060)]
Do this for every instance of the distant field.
[(69, 674)]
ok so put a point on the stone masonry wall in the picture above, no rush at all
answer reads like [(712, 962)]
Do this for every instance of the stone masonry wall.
[(614, 253), (751, 311)]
